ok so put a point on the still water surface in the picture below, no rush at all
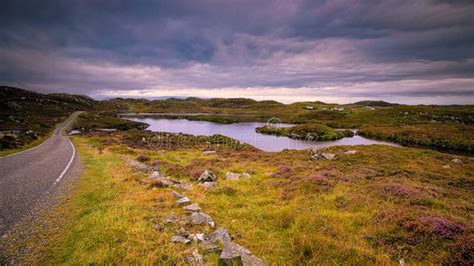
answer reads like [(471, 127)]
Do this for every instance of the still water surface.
[(245, 132)]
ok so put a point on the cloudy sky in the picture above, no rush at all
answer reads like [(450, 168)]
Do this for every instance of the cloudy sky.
[(335, 51)]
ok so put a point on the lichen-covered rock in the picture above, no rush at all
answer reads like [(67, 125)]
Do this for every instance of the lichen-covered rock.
[(194, 259), (209, 184), (232, 254), (317, 154), (232, 176), (219, 235), (180, 239), (200, 218), (251, 260), (192, 208), (176, 195), (246, 175), (171, 218), (183, 201), (207, 176)]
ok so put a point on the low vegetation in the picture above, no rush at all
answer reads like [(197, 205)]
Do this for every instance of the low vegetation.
[(444, 137), (310, 132), (105, 120), (379, 205)]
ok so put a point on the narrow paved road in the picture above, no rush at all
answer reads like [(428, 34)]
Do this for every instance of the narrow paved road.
[(27, 176)]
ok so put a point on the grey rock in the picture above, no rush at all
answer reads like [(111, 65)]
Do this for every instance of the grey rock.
[(192, 208), (351, 152), (207, 176), (447, 166), (232, 254), (328, 156), (232, 176), (208, 152), (200, 218), (176, 195), (199, 237), (171, 218), (209, 184), (457, 160), (154, 175), (194, 259), (246, 175), (251, 260), (180, 239), (220, 235), (183, 201)]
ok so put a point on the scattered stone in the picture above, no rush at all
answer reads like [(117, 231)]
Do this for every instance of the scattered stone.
[(138, 166), (200, 218), (154, 175), (208, 152), (447, 166), (194, 259), (207, 176), (180, 239), (232, 254), (197, 237), (351, 152), (246, 175), (457, 160), (176, 195), (328, 156), (209, 184), (219, 235), (192, 208), (232, 176), (171, 218), (251, 260), (183, 201)]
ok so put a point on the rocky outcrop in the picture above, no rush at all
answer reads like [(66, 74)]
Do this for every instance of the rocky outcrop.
[(207, 176), (317, 154)]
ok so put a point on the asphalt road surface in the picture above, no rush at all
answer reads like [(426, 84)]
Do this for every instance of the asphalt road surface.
[(26, 177)]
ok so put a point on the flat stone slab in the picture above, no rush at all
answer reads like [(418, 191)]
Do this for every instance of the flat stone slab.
[(219, 235), (180, 239), (192, 208), (200, 218), (176, 195), (183, 201), (171, 218), (232, 176)]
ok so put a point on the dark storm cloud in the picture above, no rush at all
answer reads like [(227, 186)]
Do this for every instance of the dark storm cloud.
[(104, 46)]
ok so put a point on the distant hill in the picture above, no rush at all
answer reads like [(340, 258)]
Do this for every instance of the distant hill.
[(375, 103)]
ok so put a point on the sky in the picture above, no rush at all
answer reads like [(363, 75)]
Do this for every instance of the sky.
[(414, 52)]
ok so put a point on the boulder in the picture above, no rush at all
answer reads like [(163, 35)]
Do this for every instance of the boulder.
[(232, 254), (171, 218), (251, 260), (232, 176), (200, 218), (194, 259), (197, 237), (183, 201), (207, 176), (209, 184), (220, 235), (176, 195), (180, 239), (246, 175), (317, 154), (192, 208), (351, 152), (447, 166), (154, 175), (457, 160)]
